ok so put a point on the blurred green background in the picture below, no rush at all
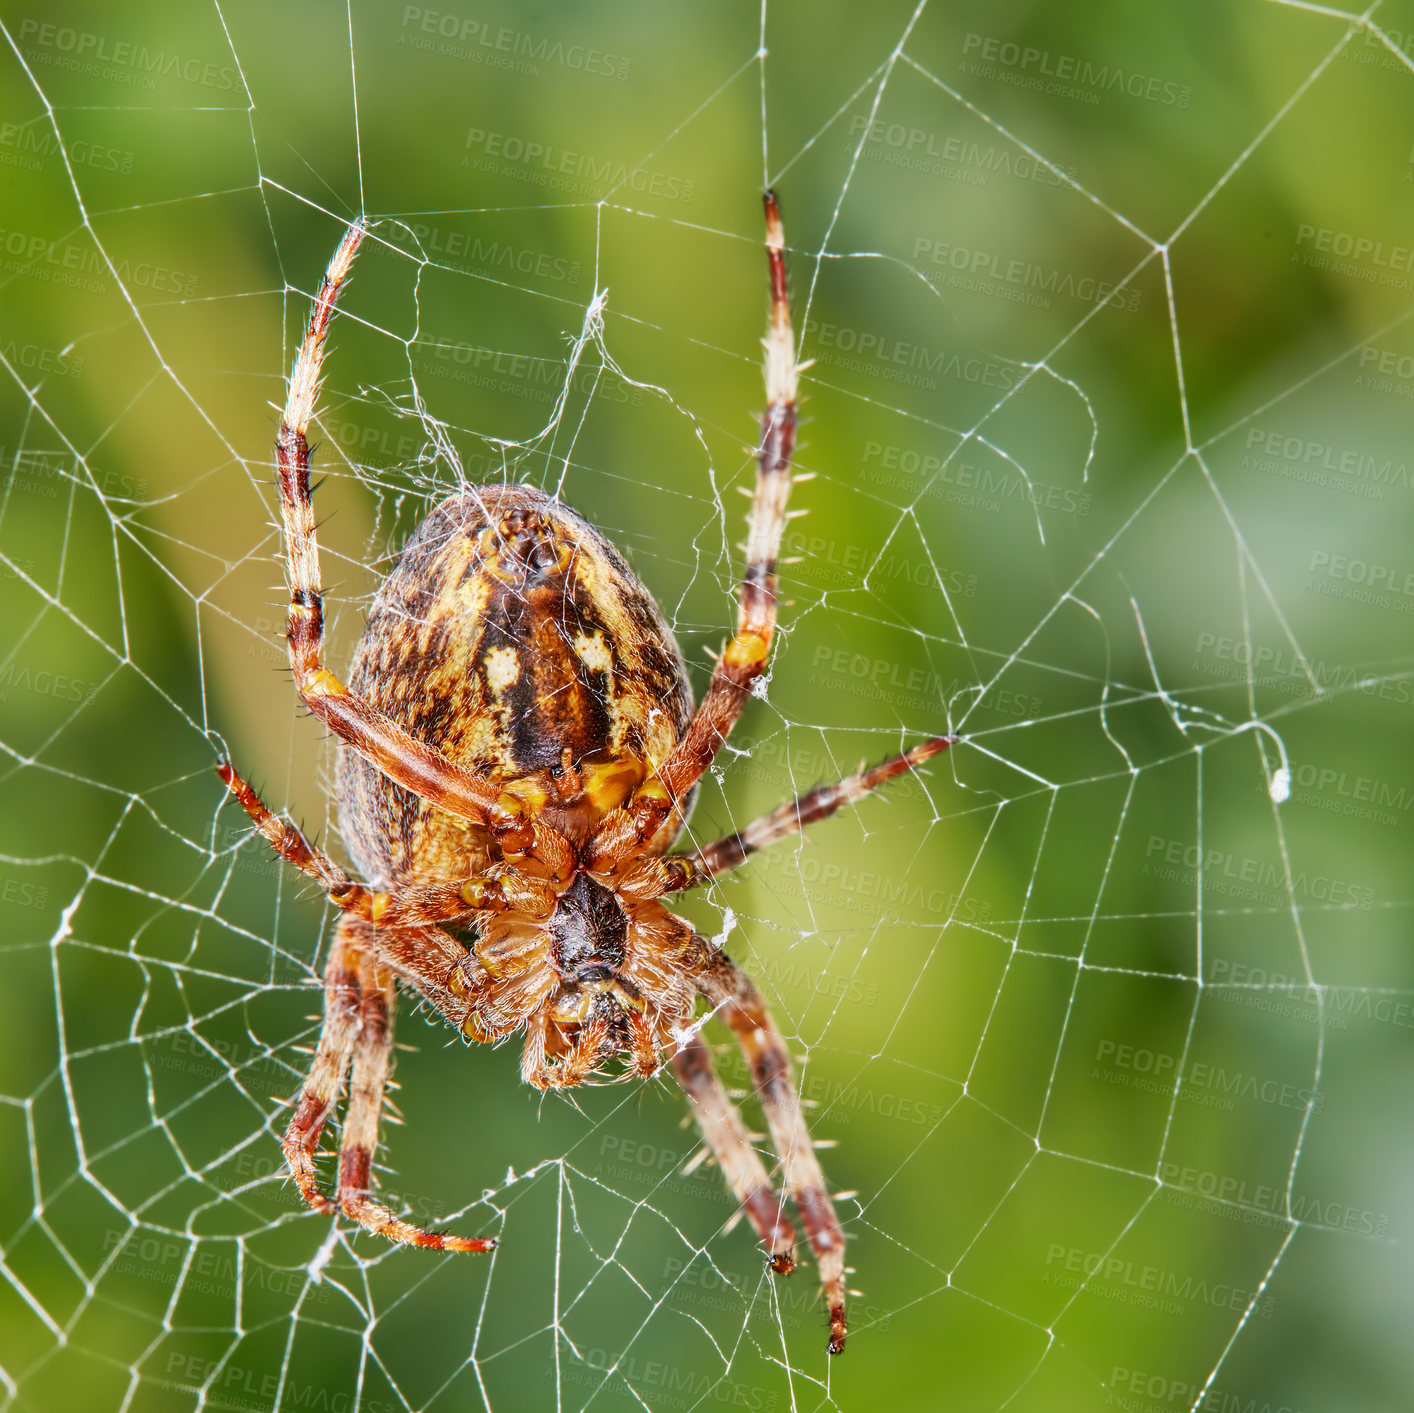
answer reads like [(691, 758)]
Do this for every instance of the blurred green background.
[(1109, 418)]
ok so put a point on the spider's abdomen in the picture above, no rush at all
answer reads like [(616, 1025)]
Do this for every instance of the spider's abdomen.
[(509, 631)]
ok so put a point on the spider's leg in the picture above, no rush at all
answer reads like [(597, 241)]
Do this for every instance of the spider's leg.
[(418, 906), (331, 1060), (372, 1060), (417, 767), (722, 855), (402, 929), (725, 1133), (740, 1004), (744, 658)]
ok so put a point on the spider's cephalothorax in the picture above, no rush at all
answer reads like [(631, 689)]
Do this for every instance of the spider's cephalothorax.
[(518, 751)]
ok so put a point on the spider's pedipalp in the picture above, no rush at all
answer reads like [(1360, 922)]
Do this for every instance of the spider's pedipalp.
[(574, 1063)]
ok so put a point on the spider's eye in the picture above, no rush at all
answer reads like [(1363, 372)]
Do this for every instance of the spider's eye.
[(544, 556)]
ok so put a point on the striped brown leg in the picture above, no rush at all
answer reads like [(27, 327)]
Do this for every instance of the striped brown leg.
[(746, 654), (728, 988), (371, 944), (724, 854), (372, 1062), (408, 937), (417, 767), (342, 995), (358, 997), (725, 1133)]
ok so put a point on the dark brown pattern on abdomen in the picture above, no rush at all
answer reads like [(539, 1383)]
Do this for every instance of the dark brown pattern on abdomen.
[(471, 646)]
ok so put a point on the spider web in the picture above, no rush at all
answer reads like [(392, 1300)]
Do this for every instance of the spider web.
[(1101, 1018)]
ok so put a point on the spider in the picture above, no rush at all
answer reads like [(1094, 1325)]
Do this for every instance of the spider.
[(517, 751)]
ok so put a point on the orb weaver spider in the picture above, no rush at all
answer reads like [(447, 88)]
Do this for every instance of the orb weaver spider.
[(517, 752)]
